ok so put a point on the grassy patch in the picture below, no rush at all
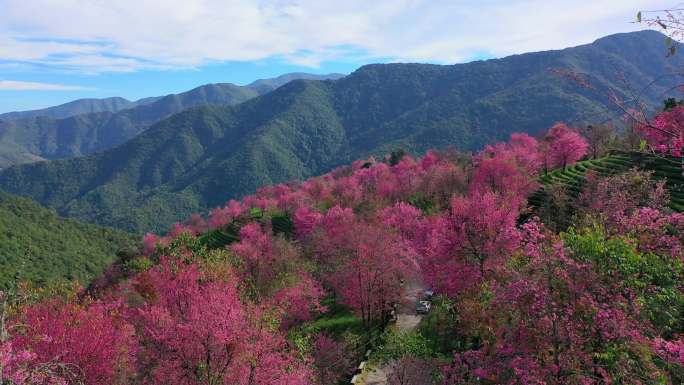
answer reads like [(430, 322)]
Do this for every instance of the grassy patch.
[(336, 321)]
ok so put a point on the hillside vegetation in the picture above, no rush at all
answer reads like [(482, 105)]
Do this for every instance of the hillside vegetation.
[(70, 130), (297, 282), (37, 245)]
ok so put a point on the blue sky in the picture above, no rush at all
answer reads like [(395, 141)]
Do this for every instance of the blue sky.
[(138, 84), (52, 52)]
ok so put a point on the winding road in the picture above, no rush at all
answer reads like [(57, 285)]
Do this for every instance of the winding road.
[(407, 320)]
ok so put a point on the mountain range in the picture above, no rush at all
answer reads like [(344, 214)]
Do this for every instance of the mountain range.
[(198, 158), (85, 126), (78, 107)]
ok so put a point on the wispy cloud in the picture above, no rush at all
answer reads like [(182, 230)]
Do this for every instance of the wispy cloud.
[(14, 85), (131, 35)]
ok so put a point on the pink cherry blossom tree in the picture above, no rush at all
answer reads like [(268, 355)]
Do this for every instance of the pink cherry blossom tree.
[(90, 342), (564, 146), (192, 326), (665, 132), (333, 360), (195, 330), (485, 228), (369, 280)]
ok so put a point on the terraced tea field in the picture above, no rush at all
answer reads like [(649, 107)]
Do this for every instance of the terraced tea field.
[(219, 238), (664, 168)]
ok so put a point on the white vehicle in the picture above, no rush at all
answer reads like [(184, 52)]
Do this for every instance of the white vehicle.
[(423, 307)]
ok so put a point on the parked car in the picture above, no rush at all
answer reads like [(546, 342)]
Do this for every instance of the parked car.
[(423, 307)]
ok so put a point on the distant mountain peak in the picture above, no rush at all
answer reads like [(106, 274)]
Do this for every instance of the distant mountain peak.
[(266, 85), (649, 34), (74, 107)]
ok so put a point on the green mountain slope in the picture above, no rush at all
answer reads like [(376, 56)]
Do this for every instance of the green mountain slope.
[(57, 132), (38, 245), (201, 157)]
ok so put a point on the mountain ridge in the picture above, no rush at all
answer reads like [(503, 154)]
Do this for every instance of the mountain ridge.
[(27, 139), (76, 107), (199, 158)]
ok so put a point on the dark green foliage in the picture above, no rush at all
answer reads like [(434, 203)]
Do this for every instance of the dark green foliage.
[(200, 158), (217, 239), (396, 156), (655, 279), (422, 202), (282, 224), (440, 329), (38, 246), (671, 103)]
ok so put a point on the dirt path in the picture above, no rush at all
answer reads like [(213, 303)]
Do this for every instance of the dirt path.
[(407, 320)]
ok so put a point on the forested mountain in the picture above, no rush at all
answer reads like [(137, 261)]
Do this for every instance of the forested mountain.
[(77, 107), (63, 132), (39, 246), (201, 157)]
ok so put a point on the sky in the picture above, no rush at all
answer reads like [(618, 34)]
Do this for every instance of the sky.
[(54, 51)]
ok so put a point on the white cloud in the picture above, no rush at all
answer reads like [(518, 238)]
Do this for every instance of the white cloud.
[(14, 85), (129, 35)]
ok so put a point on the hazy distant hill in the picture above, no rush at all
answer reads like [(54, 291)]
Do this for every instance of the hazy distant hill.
[(63, 131), (263, 86), (199, 158), (77, 107)]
